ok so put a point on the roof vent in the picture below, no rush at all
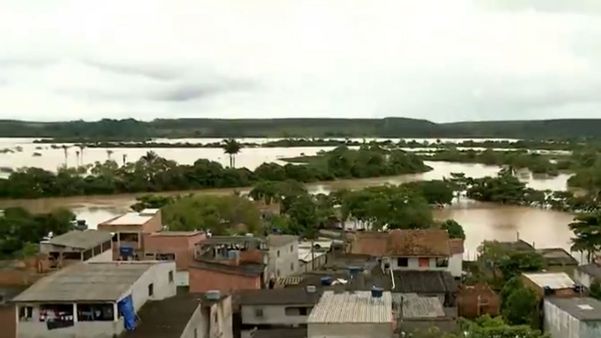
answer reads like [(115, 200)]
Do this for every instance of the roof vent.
[(213, 295), (311, 289), (585, 307)]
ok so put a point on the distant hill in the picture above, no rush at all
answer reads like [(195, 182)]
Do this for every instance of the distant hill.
[(301, 127)]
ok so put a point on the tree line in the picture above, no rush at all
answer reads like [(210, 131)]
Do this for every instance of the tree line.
[(152, 173)]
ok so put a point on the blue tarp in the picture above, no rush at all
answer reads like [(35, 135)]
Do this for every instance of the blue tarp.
[(126, 308)]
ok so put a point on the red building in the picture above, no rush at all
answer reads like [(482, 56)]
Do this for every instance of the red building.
[(228, 264), (175, 246)]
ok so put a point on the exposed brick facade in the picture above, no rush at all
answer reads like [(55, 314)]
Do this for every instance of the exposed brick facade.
[(202, 280), (180, 244)]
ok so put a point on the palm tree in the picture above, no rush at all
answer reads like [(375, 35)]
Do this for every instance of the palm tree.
[(81, 148), (65, 149), (108, 154), (150, 157), (587, 228), (231, 147)]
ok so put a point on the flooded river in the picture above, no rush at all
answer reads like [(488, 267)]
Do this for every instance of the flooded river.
[(481, 221)]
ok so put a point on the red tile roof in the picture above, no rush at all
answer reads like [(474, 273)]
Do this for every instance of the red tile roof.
[(423, 243)]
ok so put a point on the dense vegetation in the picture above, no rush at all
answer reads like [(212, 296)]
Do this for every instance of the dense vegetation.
[(387, 127), (220, 214), (536, 163), (153, 173), (21, 231)]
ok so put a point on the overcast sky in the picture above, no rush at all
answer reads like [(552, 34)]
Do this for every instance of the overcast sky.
[(438, 60)]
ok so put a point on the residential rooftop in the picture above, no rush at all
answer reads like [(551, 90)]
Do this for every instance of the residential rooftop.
[(82, 240), (176, 233), (106, 281), (410, 281), (300, 332), (557, 256), (246, 269), (592, 269), (166, 318), (352, 307), (280, 240), (280, 296), (130, 218), (553, 280), (417, 307), (582, 308), (404, 243)]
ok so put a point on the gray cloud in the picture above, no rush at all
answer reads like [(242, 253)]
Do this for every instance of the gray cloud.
[(156, 72), (439, 60)]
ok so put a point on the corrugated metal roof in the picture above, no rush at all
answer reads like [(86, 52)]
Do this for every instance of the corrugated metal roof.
[(305, 254), (418, 307), (554, 280), (81, 239), (86, 282), (352, 307)]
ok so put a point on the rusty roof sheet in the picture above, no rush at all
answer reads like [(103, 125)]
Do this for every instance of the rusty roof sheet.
[(422, 243)]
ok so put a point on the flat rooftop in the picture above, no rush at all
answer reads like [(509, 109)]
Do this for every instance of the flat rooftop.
[(352, 307), (130, 218), (176, 233), (553, 280), (83, 240), (279, 296), (86, 282), (582, 308)]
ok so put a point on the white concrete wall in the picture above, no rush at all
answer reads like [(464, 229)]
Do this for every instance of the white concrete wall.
[(582, 278), (106, 256), (350, 330), (272, 314), (182, 278), (288, 258), (36, 329), (158, 275), (456, 265), (558, 323), (196, 326)]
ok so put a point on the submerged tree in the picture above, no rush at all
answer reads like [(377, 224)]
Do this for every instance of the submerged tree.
[(231, 147), (587, 229)]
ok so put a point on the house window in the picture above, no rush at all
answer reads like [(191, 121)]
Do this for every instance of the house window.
[(195, 333), (291, 248), (25, 313), (259, 312), (402, 262), (215, 318), (442, 262), (291, 266), (424, 262), (150, 290), (165, 257), (277, 272), (278, 253), (170, 276), (297, 311)]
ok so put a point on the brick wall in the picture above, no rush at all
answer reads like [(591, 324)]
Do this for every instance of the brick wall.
[(202, 280), (7, 321), (181, 246)]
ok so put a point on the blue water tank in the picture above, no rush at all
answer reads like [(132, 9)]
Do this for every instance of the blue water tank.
[(377, 292), (126, 251)]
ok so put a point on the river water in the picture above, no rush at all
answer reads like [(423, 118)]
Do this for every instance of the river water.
[(481, 221)]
